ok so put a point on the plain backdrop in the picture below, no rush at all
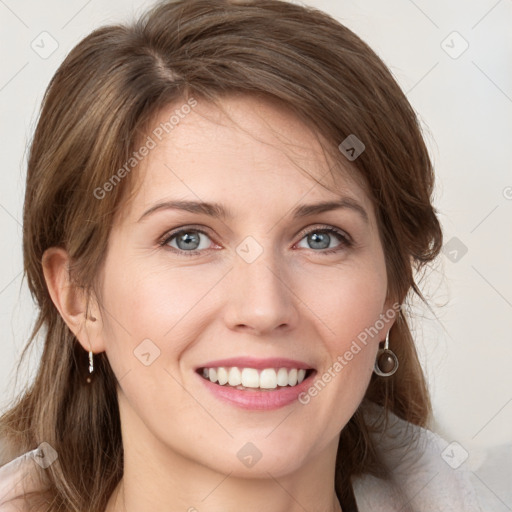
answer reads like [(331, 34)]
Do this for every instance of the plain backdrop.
[(454, 61)]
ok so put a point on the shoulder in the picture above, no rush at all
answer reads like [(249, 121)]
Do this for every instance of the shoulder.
[(18, 477), (427, 473)]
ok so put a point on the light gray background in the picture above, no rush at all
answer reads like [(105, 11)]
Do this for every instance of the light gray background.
[(464, 100)]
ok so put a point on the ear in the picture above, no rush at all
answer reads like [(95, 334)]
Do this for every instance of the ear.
[(71, 301)]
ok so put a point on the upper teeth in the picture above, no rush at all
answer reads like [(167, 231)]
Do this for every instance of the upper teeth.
[(268, 378)]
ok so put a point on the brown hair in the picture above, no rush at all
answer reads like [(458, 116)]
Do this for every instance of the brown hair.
[(96, 108)]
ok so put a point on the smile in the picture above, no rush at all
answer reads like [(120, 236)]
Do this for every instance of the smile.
[(253, 378), (256, 384)]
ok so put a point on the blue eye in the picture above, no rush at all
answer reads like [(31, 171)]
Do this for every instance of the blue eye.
[(320, 238), (187, 241)]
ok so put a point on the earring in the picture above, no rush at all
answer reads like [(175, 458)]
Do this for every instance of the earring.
[(386, 362), (91, 367)]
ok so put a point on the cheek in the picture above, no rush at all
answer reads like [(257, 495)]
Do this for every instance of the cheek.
[(347, 301), (161, 295), (164, 304), (349, 311)]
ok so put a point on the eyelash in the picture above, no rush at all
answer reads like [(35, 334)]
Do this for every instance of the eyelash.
[(346, 242)]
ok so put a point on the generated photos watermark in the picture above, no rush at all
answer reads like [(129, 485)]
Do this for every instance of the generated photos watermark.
[(150, 143), (343, 360)]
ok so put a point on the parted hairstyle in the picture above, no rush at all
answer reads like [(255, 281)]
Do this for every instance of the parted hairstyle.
[(96, 110)]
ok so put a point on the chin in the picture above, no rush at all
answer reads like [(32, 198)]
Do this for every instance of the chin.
[(259, 457)]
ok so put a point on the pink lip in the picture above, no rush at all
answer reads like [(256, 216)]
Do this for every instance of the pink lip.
[(258, 400), (259, 364)]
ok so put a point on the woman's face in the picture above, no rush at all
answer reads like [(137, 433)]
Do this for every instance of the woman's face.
[(261, 282)]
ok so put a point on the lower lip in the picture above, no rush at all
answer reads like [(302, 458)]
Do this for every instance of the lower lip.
[(259, 400)]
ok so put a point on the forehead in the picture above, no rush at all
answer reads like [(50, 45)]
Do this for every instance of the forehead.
[(243, 150)]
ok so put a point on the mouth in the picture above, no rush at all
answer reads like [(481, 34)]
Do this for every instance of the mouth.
[(256, 384), (255, 379)]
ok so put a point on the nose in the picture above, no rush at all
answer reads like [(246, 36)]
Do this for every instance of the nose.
[(260, 296)]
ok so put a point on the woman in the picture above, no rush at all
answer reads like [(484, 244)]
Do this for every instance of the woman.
[(226, 203)]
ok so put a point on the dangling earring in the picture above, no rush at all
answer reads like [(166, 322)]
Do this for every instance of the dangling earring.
[(91, 367), (386, 362), (91, 361)]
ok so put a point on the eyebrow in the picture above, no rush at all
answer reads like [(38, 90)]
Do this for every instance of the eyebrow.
[(217, 211)]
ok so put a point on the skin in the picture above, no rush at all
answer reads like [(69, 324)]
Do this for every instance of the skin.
[(294, 301)]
